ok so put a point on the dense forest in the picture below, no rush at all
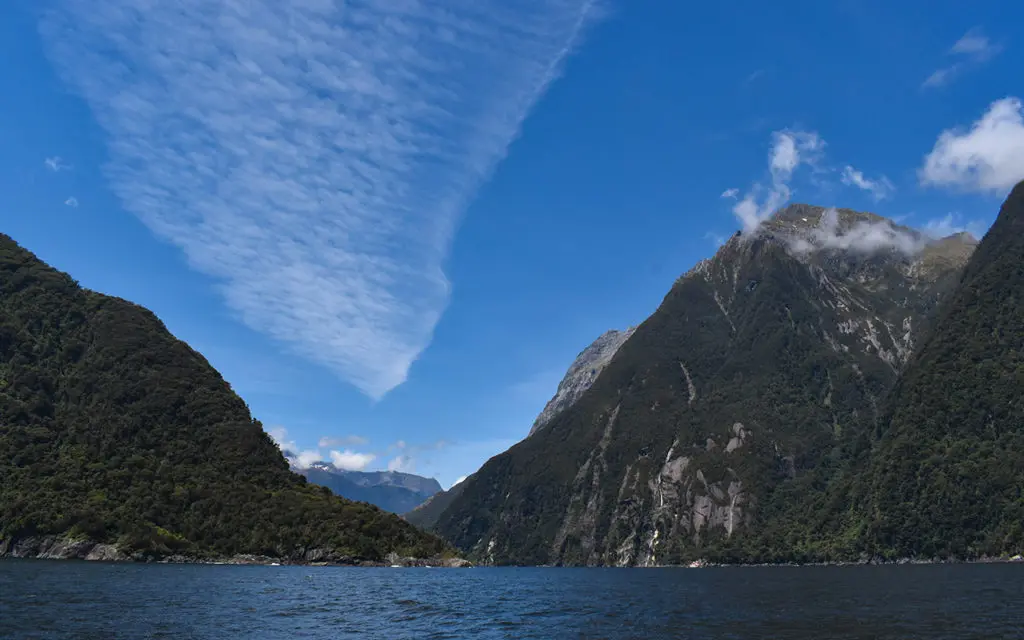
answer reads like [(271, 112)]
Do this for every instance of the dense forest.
[(946, 475), (114, 431)]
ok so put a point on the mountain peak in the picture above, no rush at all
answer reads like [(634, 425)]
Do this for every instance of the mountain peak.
[(581, 374), (807, 229), (805, 216)]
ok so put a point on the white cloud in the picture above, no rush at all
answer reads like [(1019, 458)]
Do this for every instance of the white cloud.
[(314, 156), (345, 441), (790, 149), (972, 49), (730, 193), (298, 458), (988, 157), (280, 436), (880, 188), (860, 237), (55, 164), (458, 480), (951, 223), (351, 460), (306, 458), (402, 463), (72, 202)]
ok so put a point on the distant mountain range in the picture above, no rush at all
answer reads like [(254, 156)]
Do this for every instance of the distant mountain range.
[(833, 387), (392, 491)]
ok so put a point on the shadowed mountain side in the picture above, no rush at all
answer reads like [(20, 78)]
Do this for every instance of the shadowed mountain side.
[(114, 432)]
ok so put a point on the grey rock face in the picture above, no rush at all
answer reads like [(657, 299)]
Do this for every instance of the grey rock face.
[(54, 548), (581, 374)]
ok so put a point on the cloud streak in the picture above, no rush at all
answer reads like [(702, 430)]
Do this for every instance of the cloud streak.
[(973, 49), (987, 158), (55, 164), (879, 189), (72, 202), (314, 156)]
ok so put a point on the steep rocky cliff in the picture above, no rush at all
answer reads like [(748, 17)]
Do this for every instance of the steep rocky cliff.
[(725, 414), (581, 374)]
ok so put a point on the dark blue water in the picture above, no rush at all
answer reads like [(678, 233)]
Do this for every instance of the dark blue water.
[(79, 600)]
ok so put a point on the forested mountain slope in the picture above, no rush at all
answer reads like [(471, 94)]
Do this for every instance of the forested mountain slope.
[(716, 427), (113, 431), (946, 477)]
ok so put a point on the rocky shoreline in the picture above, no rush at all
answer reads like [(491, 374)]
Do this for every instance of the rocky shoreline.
[(57, 548), (703, 564)]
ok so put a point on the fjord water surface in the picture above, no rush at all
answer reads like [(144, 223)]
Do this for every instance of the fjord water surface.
[(80, 600)]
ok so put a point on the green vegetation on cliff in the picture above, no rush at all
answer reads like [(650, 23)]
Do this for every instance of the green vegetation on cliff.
[(113, 430), (946, 477)]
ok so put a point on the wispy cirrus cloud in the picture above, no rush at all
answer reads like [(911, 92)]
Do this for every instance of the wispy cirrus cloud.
[(314, 156), (880, 188), (973, 49), (55, 164)]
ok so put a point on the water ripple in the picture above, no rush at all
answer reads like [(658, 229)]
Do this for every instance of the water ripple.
[(94, 601)]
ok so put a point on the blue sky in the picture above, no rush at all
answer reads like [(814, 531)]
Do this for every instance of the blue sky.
[(392, 227)]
